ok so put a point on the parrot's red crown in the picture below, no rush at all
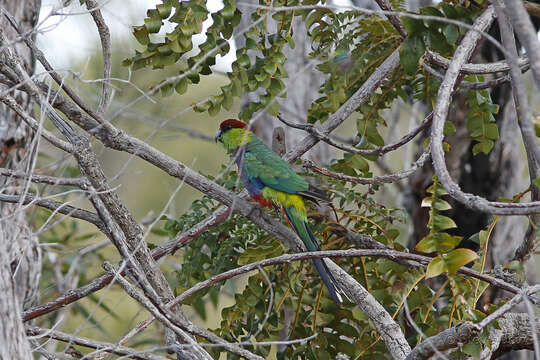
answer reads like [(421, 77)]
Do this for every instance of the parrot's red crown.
[(232, 124)]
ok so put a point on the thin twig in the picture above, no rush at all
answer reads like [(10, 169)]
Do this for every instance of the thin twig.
[(59, 207), (105, 38), (94, 344), (44, 179), (390, 178), (381, 150)]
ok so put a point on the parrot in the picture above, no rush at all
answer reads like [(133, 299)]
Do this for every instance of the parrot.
[(271, 182)]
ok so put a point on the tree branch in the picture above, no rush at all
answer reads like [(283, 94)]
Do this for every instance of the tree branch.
[(524, 120), (476, 69), (105, 37), (381, 150), (444, 96), (358, 98), (527, 35), (390, 178), (44, 179), (163, 314), (93, 344), (56, 206)]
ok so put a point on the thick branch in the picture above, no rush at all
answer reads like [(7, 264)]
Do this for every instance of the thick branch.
[(445, 340), (527, 35), (394, 19), (525, 124)]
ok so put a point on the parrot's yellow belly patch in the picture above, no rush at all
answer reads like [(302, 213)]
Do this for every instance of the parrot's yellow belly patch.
[(285, 199)]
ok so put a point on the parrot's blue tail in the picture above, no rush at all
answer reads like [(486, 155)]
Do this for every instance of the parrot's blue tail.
[(303, 230)]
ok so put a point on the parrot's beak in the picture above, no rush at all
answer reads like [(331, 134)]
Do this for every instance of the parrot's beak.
[(217, 137)]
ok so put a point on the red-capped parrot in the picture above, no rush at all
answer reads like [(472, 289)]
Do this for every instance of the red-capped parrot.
[(271, 182)]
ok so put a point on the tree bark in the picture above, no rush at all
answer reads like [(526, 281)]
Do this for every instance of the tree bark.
[(20, 257)]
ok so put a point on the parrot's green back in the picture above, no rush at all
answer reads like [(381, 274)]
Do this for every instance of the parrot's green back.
[(262, 163)]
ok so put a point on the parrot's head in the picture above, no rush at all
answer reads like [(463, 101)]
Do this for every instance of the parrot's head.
[(232, 133)]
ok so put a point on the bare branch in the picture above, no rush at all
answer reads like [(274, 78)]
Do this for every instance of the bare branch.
[(105, 38), (394, 19), (169, 247), (465, 332), (56, 77), (44, 179), (445, 340), (444, 96), (358, 98), (524, 120), (162, 314), (390, 178), (470, 85), (34, 125), (93, 344), (381, 150), (59, 207), (476, 69), (527, 35)]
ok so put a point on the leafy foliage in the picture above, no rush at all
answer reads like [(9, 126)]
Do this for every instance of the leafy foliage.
[(449, 259), (481, 122)]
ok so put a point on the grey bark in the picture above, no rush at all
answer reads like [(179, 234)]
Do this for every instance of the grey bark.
[(20, 257)]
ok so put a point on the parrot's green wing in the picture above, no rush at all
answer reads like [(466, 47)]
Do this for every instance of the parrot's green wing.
[(264, 166)]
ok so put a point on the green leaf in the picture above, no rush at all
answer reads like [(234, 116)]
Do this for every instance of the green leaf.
[(358, 162), (244, 61), (164, 10), (446, 242), (449, 128), (536, 182), (273, 108), (413, 26), (451, 33), (441, 222), (153, 21), (472, 349), (435, 267), (426, 245), (458, 258), (141, 34), (411, 51), (492, 131), (431, 11), (484, 147)]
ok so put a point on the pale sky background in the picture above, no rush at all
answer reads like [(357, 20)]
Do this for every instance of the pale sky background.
[(73, 37)]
